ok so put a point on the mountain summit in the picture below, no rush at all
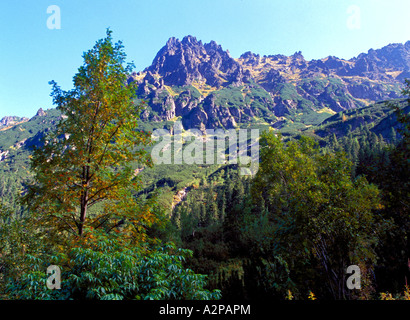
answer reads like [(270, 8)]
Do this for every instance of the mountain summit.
[(188, 61)]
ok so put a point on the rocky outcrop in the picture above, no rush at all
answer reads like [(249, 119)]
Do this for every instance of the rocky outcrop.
[(3, 154), (40, 113), (182, 63), (380, 63), (9, 121)]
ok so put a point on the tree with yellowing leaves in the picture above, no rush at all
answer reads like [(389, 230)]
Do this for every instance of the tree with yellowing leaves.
[(85, 171)]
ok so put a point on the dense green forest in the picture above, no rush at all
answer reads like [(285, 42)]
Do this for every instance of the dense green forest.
[(332, 195), (308, 214)]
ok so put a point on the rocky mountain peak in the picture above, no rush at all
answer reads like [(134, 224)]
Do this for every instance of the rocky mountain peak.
[(40, 113), (185, 62), (298, 56), (191, 40), (250, 58)]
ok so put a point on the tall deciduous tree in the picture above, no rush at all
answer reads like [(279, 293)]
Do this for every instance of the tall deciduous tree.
[(316, 214), (91, 157)]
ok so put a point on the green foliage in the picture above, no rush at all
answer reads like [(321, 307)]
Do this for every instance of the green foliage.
[(319, 214), (229, 97), (20, 241), (187, 91), (288, 91), (106, 271)]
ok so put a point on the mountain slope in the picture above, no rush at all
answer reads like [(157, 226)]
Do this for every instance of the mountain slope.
[(379, 118)]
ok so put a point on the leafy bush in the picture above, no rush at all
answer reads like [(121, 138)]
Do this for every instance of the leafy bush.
[(104, 271)]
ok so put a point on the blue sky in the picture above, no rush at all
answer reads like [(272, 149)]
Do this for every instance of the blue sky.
[(32, 54)]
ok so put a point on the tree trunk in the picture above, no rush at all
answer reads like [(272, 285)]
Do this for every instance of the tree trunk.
[(84, 200), (83, 212)]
